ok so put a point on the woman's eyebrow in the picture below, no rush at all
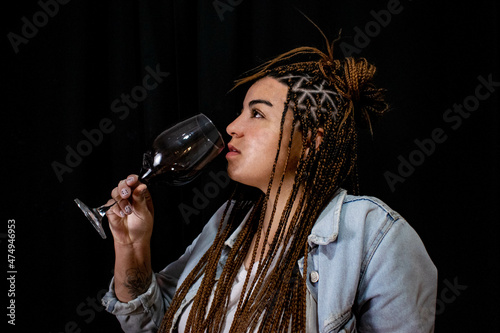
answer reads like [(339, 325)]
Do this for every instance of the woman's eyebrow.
[(260, 101)]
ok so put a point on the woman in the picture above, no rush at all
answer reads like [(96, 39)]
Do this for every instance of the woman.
[(298, 255)]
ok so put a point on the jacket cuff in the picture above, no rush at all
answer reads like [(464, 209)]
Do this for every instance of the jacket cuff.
[(143, 303)]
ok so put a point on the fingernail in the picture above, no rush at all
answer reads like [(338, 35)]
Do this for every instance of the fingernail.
[(124, 192), (122, 214), (128, 209), (129, 180)]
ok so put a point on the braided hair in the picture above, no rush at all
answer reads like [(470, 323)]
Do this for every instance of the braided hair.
[(325, 94)]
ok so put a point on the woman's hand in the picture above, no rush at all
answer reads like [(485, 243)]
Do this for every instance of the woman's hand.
[(131, 218)]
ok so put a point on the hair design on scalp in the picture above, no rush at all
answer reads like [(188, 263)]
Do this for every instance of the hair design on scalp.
[(325, 93)]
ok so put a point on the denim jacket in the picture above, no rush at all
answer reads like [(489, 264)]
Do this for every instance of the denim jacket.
[(368, 272)]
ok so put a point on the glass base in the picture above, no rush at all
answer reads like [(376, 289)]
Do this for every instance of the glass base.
[(93, 216)]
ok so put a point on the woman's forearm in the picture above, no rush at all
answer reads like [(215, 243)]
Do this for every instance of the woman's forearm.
[(132, 270)]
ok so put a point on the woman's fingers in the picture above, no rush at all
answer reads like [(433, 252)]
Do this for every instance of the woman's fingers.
[(142, 198), (131, 216), (122, 206), (126, 186), (131, 180), (122, 194)]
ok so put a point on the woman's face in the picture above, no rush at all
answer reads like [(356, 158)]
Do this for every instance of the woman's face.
[(255, 136)]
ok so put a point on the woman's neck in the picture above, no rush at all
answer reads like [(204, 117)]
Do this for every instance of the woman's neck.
[(281, 200), (271, 221)]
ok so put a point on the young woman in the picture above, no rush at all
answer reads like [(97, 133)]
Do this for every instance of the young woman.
[(300, 254)]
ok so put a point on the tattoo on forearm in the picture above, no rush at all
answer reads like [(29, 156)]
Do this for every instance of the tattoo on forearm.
[(138, 281)]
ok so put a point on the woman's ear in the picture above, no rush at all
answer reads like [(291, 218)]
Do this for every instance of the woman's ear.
[(319, 137)]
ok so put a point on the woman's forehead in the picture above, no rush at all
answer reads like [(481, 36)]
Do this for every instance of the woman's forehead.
[(269, 89)]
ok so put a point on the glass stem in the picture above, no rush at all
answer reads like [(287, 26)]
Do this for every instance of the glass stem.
[(103, 209)]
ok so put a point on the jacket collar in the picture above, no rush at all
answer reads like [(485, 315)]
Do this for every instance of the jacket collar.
[(232, 239), (326, 228), (324, 231)]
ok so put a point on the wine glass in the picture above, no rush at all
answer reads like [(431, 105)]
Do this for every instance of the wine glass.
[(178, 155)]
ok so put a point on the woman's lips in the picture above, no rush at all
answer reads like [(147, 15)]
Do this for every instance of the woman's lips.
[(232, 151)]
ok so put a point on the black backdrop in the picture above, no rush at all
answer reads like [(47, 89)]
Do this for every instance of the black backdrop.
[(70, 65)]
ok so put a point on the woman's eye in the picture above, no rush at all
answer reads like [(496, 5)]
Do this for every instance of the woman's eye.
[(256, 114)]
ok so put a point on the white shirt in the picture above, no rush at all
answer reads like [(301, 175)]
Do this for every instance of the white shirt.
[(233, 300)]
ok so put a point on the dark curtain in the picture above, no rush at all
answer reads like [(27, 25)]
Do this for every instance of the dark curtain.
[(89, 84)]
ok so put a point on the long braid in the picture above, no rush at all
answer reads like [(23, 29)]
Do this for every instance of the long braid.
[(239, 207), (242, 312)]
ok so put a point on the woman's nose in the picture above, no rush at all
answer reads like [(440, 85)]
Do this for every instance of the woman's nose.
[(234, 129)]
